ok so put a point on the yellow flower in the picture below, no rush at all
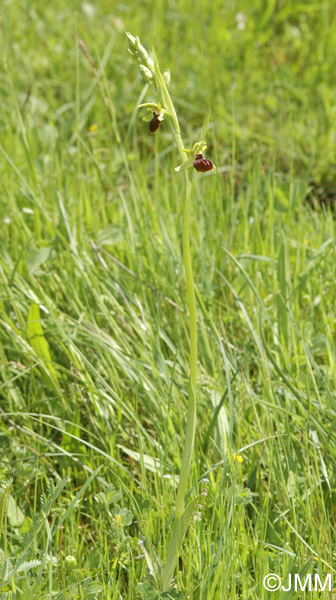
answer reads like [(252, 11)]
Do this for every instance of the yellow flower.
[(93, 127), (237, 457)]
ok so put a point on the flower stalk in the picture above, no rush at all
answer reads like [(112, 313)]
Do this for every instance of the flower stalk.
[(150, 70)]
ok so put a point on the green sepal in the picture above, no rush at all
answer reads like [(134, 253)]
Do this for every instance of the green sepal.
[(187, 164)]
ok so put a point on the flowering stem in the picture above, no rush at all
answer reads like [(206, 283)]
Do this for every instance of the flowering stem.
[(177, 539), (150, 71), (182, 515), (191, 416)]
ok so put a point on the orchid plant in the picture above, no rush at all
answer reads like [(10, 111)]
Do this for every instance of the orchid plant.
[(190, 159)]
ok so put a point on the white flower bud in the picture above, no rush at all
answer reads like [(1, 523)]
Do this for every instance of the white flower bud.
[(139, 53), (146, 73), (166, 77), (131, 39), (143, 54)]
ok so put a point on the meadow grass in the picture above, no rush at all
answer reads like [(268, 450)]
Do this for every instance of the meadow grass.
[(94, 324)]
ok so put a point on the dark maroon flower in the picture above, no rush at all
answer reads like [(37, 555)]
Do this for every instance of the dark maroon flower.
[(155, 122), (202, 164)]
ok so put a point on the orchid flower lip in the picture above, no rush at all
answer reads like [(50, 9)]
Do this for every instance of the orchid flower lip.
[(155, 122), (202, 164)]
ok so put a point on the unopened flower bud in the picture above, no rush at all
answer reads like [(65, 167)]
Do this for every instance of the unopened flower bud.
[(140, 55), (143, 54), (70, 563), (146, 73), (166, 77), (131, 39)]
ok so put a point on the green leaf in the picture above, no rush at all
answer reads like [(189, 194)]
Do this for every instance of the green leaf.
[(187, 164), (4, 489), (15, 515), (35, 258), (242, 495), (77, 498), (281, 201), (110, 496), (284, 293), (94, 591), (147, 590), (152, 561), (28, 565), (110, 235), (178, 533), (38, 341), (27, 525), (150, 463), (205, 124), (172, 593), (126, 517)]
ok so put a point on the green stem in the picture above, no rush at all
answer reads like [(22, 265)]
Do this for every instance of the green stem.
[(167, 102), (181, 518), (180, 523), (191, 416)]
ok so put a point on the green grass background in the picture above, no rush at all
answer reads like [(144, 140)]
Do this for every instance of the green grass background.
[(93, 322)]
